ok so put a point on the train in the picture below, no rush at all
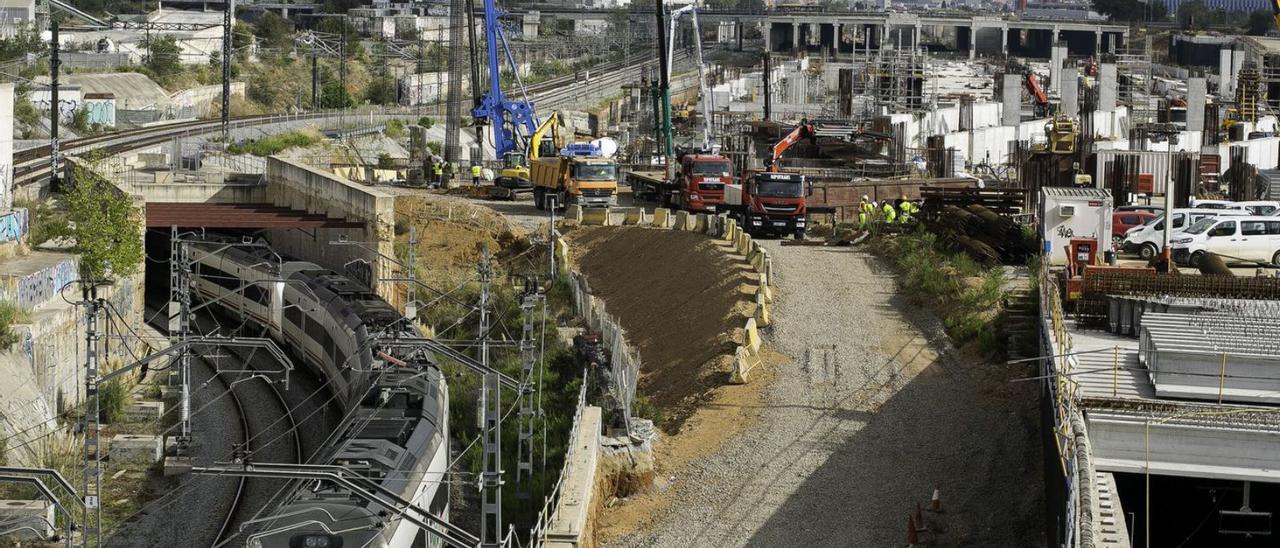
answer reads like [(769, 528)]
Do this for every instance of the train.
[(397, 430)]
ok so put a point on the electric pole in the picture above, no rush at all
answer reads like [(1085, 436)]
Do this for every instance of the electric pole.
[(92, 481), (54, 64), (228, 18), (664, 82), (491, 425)]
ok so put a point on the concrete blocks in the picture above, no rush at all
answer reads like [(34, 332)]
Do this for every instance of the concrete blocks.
[(700, 223), (743, 243), (136, 448), (144, 411), (598, 216), (634, 216), (177, 466), (751, 337), (661, 217), (764, 292), (36, 514), (573, 213), (683, 221), (762, 311), (747, 356), (562, 252), (730, 229)]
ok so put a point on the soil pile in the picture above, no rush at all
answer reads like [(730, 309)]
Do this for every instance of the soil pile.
[(676, 294), (452, 234)]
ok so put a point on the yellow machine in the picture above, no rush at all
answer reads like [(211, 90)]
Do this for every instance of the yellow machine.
[(579, 174), (1061, 132), (515, 164)]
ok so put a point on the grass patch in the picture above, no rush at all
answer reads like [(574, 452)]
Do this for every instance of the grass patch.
[(46, 222), (966, 294), (10, 315), (275, 144)]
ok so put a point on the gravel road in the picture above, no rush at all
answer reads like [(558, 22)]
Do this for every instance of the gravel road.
[(860, 426)]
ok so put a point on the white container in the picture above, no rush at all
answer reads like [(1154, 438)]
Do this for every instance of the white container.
[(1068, 213)]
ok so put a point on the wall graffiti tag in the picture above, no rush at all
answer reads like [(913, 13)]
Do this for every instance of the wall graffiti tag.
[(13, 224), (42, 285)]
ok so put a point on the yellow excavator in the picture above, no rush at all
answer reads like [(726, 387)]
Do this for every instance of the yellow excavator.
[(514, 176), (1061, 132)]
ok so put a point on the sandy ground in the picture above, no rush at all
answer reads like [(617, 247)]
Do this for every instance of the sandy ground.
[(868, 410)]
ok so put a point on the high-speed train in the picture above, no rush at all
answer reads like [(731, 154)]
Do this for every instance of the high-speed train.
[(396, 427)]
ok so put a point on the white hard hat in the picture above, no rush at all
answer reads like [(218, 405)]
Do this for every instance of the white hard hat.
[(866, 198)]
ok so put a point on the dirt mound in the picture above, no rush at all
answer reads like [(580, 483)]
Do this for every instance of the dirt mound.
[(676, 294), (451, 233)]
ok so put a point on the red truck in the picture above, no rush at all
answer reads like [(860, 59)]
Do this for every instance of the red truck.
[(699, 184), (767, 202)]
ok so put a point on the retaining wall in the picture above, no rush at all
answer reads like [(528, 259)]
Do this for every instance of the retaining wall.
[(299, 186)]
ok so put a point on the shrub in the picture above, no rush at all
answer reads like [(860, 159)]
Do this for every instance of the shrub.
[(274, 144), (10, 315)]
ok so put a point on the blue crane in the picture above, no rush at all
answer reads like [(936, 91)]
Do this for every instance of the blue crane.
[(505, 115)]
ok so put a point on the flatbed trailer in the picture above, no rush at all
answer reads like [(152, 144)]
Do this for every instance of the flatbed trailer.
[(650, 184)]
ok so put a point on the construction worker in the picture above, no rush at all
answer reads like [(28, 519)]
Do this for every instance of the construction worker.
[(437, 172), (905, 209), (475, 174), (866, 211), (890, 212)]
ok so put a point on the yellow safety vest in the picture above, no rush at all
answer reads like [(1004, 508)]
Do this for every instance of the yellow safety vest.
[(439, 169), (475, 171), (889, 212)]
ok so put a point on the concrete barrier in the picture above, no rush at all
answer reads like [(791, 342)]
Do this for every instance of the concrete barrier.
[(598, 216), (569, 526), (747, 356), (730, 230), (573, 213), (139, 448), (743, 243), (681, 220), (22, 513), (634, 216), (764, 291), (661, 218), (762, 311)]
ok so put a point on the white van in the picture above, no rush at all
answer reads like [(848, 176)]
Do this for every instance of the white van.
[(1256, 207), (1251, 238), (1145, 240)]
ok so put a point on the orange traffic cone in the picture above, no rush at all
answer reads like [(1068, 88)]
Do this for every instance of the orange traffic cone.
[(935, 503), (920, 526), (913, 536)]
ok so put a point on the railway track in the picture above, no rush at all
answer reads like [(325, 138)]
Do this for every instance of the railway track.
[(32, 165)]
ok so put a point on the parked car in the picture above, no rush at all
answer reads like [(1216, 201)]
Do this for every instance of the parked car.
[(1253, 239), (1156, 209), (1122, 221), (1145, 240)]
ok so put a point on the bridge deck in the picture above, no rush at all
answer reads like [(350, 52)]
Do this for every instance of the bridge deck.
[(238, 216)]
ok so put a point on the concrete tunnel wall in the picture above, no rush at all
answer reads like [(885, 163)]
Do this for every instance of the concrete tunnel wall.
[(299, 186)]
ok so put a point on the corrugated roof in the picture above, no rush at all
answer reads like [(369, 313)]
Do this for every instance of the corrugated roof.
[(1073, 192)]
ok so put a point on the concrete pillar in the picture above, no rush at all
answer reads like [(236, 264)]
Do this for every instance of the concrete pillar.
[(835, 40), (918, 37), (1226, 76), (1056, 35), (1004, 41), (1097, 42), (1012, 114), (768, 30), (795, 38), (1057, 54), (1070, 92), (973, 43), (1196, 91), (1107, 87)]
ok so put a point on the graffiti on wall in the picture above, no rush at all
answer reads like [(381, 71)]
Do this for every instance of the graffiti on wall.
[(42, 285), (13, 225)]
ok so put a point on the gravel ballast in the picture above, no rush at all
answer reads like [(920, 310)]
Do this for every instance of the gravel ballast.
[(874, 410)]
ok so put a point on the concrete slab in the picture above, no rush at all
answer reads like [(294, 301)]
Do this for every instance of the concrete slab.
[(34, 279), (144, 411), (177, 466), (36, 514), (136, 448)]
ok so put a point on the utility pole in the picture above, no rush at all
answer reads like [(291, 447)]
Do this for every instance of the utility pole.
[(664, 82), (524, 466), (411, 292), (179, 314), (476, 90), (315, 79), (491, 425), (92, 481), (54, 65), (228, 18), (768, 88)]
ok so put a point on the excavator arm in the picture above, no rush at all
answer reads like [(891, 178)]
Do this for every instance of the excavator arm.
[(805, 129), (1275, 11), (551, 124)]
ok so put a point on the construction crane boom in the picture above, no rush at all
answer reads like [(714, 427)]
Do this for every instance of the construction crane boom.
[(505, 115), (805, 129), (708, 140)]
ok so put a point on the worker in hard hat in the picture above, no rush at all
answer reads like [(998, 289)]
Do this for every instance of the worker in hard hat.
[(866, 211), (905, 210), (890, 212), (475, 174)]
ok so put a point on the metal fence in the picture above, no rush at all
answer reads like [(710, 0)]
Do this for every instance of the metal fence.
[(624, 361), (549, 505)]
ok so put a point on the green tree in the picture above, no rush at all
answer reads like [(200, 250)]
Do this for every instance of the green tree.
[(108, 229), (164, 56), (381, 91), (334, 95), (275, 31), (1260, 23)]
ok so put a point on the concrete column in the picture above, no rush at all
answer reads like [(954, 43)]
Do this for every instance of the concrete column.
[(1196, 91), (1056, 55), (1012, 114), (835, 40), (1097, 42), (795, 38), (1056, 31), (1070, 92), (768, 30), (1107, 87), (1225, 74), (918, 38), (1004, 41), (973, 43)]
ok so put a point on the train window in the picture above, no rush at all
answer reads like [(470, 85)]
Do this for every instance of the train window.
[(293, 315), (440, 502), (315, 331), (255, 294), (315, 540)]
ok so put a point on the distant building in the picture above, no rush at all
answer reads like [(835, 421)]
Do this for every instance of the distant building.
[(16, 15), (1228, 5), (197, 46)]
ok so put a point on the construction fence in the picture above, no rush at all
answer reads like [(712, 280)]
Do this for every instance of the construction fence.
[(624, 361)]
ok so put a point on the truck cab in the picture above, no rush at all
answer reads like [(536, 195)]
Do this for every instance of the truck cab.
[(702, 182), (579, 175), (770, 203)]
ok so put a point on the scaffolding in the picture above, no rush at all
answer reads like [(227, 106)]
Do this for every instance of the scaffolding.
[(1134, 80), (1250, 94), (893, 79)]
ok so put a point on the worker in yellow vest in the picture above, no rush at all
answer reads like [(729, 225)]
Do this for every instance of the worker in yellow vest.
[(866, 212), (905, 210), (437, 172), (890, 212), (475, 174)]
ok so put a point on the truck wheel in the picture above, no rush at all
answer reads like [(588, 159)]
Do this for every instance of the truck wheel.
[(1148, 251), (539, 198), (799, 235), (1196, 259)]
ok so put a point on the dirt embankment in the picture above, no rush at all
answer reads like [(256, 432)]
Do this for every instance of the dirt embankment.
[(677, 295), (452, 234)]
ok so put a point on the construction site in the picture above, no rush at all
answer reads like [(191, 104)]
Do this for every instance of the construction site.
[(529, 274)]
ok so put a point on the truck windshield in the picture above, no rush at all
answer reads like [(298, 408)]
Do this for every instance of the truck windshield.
[(779, 189), (712, 168), (594, 172)]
